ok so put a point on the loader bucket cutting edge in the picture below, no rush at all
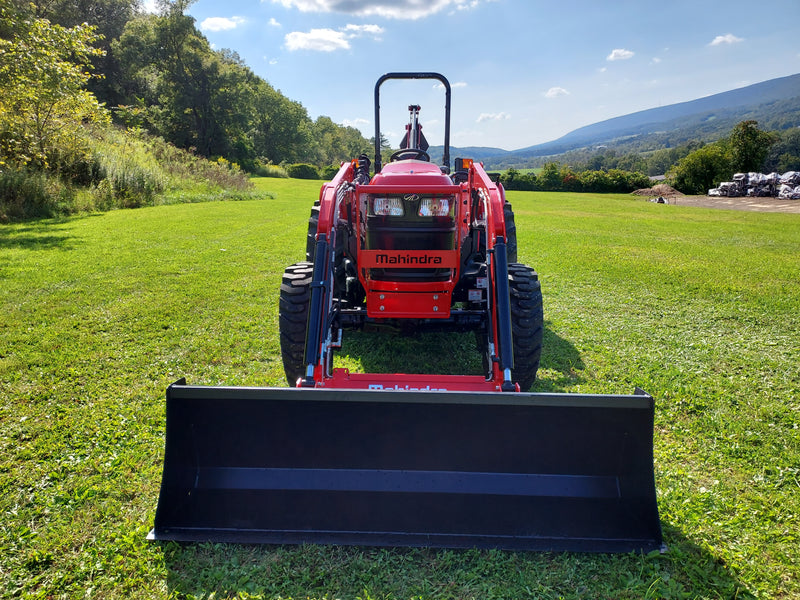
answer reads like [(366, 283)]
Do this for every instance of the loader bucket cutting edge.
[(518, 471)]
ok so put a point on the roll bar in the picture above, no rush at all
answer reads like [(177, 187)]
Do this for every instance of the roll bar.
[(439, 77)]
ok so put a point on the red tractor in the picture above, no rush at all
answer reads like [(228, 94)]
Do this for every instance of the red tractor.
[(412, 248), (403, 459)]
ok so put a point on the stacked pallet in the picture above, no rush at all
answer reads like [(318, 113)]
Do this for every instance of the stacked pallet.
[(775, 185)]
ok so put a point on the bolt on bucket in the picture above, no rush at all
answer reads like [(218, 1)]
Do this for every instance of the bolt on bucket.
[(518, 471)]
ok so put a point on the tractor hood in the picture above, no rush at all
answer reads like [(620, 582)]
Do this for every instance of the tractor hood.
[(407, 171)]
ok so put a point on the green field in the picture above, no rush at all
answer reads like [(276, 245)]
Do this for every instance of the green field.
[(99, 313)]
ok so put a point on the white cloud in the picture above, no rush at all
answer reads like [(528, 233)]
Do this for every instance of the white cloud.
[(454, 85), (149, 6), (357, 30), (620, 54), (728, 38), (354, 122), (393, 9), (555, 92), (220, 23), (466, 5), (329, 40), (274, 23), (320, 40), (501, 116)]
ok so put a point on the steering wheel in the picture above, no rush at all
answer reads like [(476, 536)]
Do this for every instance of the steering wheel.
[(414, 152)]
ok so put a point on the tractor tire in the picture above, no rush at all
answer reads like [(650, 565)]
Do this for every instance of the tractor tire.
[(527, 323), (293, 318), (511, 233), (313, 223)]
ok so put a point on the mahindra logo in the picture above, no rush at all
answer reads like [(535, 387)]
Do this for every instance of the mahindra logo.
[(408, 259), (406, 388)]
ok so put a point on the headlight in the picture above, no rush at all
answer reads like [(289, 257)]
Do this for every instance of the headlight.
[(388, 207), (434, 207)]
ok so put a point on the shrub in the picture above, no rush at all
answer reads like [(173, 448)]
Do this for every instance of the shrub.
[(269, 170), (330, 172), (302, 171), (24, 194)]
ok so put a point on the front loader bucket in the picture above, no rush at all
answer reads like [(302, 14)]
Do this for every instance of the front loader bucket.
[(445, 469)]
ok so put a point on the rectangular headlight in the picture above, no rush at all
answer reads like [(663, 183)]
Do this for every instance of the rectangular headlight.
[(388, 207), (434, 207)]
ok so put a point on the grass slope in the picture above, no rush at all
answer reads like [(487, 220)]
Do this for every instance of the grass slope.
[(98, 314)]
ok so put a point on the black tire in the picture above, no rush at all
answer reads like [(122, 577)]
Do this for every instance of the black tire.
[(511, 232), (527, 323), (293, 318), (313, 223)]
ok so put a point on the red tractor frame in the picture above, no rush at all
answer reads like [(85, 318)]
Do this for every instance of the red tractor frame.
[(413, 247)]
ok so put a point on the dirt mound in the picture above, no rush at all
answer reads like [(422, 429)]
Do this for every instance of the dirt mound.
[(662, 189)]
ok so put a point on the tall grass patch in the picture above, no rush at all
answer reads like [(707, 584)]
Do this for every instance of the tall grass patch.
[(101, 313), (117, 168)]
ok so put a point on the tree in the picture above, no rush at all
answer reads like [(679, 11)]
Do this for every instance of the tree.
[(784, 155), (43, 101), (702, 169), (185, 91), (108, 17), (549, 178), (181, 89), (749, 146)]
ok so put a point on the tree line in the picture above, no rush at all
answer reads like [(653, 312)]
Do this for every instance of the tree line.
[(556, 177), (692, 168), (156, 72), (72, 70)]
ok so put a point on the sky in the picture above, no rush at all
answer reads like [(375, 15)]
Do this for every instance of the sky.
[(522, 72)]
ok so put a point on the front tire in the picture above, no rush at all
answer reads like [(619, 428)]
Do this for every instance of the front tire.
[(311, 236), (511, 233), (527, 323), (293, 308)]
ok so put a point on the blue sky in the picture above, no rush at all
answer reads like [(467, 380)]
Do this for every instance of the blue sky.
[(523, 72)]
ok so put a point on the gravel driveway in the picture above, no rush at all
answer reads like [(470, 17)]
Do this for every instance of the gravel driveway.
[(754, 204)]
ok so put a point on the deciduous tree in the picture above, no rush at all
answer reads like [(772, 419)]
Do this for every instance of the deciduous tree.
[(749, 146), (703, 169), (43, 101)]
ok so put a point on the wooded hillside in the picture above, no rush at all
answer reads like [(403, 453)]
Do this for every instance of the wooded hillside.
[(104, 105)]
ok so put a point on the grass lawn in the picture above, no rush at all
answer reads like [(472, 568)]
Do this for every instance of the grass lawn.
[(98, 314)]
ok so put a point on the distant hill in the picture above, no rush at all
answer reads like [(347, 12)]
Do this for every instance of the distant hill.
[(775, 104)]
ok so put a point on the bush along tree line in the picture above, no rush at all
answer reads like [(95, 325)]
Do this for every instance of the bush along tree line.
[(746, 149), (102, 105), (692, 169), (554, 177)]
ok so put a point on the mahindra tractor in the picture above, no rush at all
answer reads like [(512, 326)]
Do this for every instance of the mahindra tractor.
[(402, 458)]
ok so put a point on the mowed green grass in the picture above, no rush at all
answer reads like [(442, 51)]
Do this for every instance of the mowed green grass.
[(98, 314)]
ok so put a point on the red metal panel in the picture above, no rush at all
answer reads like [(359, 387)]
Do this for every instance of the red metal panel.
[(327, 197), (344, 379), (408, 305), (413, 186)]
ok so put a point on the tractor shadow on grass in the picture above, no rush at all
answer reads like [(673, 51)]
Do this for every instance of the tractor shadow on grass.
[(300, 571), (435, 353)]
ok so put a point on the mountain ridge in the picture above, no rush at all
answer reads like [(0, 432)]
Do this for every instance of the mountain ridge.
[(707, 118)]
